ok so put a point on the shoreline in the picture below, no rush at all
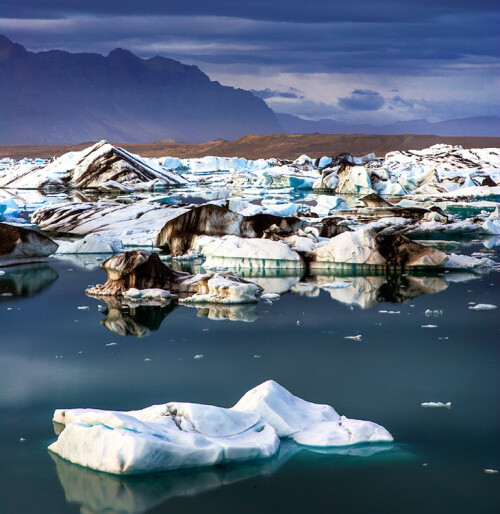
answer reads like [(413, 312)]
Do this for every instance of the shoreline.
[(281, 146)]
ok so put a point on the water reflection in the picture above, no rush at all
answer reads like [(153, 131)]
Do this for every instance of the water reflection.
[(27, 280), (126, 318), (243, 312), (97, 492), (366, 292), (134, 320)]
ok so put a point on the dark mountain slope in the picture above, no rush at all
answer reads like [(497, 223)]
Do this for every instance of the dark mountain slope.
[(60, 97)]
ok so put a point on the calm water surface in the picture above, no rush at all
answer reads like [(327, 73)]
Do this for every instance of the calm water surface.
[(54, 355)]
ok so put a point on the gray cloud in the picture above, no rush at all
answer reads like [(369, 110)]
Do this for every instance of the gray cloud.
[(362, 100), (268, 93)]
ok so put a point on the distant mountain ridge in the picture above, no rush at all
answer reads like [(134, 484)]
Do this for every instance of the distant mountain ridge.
[(483, 126), (60, 97), (57, 97)]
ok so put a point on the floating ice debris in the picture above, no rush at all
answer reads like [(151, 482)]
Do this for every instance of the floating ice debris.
[(2, 272), (354, 338), (185, 435), (198, 356), (298, 322), (147, 359), (435, 312), (270, 296), (83, 308), (483, 307), (446, 405), (336, 285), (256, 356), (429, 326), (491, 471), (22, 439), (111, 344)]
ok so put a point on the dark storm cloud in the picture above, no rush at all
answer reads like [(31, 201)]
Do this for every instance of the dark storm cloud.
[(399, 36), (362, 100), (303, 11)]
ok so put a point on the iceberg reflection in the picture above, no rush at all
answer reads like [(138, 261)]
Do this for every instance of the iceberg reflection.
[(27, 280), (97, 492), (366, 292), (134, 320)]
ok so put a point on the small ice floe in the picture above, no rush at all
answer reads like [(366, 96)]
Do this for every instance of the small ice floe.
[(83, 308), (354, 338), (22, 439), (298, 322), (435, 405), (111, 344), (436, 312), (483, 307), (6, 294), (256, 356), (147, 359), (198, 356), (429, 326), (336, 285), (270, 297), (389, 312), (491, 471), (2, 272)]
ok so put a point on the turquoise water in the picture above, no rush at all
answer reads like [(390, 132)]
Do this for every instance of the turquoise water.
[(54, 355)]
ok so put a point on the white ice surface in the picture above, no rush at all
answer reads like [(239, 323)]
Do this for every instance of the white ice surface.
[(182, 435)]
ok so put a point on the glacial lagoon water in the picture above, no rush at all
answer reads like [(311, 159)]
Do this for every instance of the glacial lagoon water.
[(61, 348)]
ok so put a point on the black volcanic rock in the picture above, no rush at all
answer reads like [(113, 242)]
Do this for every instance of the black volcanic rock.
[(60, 97)]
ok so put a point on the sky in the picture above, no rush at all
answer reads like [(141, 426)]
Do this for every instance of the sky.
[(353, 61)]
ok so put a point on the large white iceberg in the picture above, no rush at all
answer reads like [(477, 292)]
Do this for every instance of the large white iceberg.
[(185, 435)]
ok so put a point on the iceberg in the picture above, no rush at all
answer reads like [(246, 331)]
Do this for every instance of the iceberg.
[(101, 166), (21, 245), (179, 435), (236, 252)]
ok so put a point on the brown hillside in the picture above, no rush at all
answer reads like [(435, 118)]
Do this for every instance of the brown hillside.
[(286, 146)]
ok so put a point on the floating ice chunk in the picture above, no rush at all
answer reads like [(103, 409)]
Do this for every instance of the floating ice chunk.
[(336, 285), (307, 423), (270, 297), (491, 471), (492, 226), (162, 437), (446, 405), (429, 326), (456, 261), (146, 295), (92, 243), (9, 209), (223, 289), (436, 312), (354, 338), (237, 252), (483, 307)]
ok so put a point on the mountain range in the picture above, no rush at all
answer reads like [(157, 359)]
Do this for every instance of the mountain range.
[(485, 126), (62, 97), (57, 97)]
